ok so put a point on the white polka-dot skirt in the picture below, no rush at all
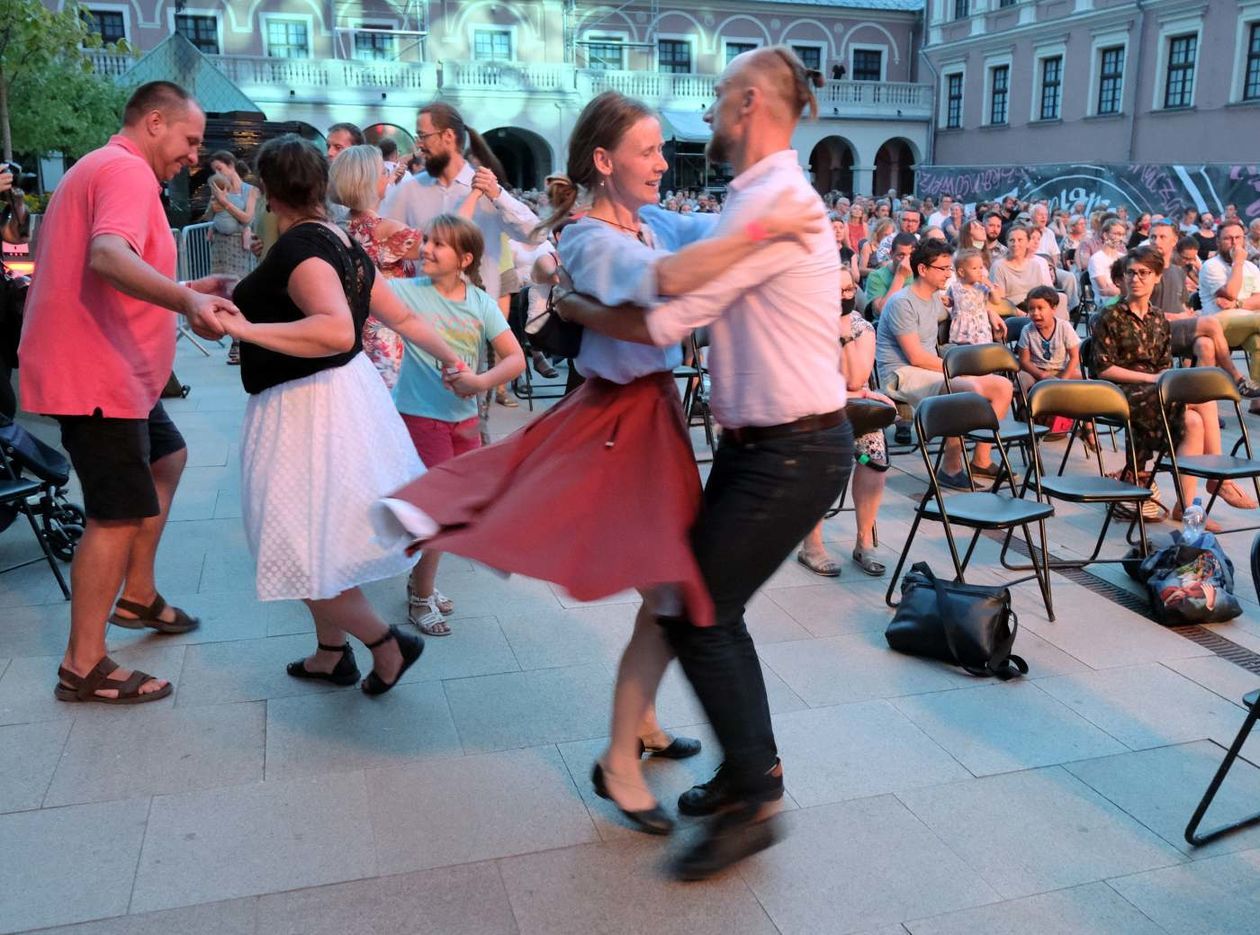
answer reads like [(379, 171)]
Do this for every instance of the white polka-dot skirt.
[(316, 454)]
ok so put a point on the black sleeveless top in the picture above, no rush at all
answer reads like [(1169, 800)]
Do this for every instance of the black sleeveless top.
[(263, 298)]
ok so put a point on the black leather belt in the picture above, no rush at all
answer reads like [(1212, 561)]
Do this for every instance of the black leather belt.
[(764, 433)]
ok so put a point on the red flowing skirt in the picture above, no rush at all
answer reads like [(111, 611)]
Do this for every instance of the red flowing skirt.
[(597, 495)]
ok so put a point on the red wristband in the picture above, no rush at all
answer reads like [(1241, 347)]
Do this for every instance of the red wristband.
[(756, 231)]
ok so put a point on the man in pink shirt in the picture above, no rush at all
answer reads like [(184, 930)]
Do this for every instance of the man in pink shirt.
[(98, 344)]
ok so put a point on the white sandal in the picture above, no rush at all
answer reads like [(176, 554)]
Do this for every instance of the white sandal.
[(444, 603), (427, 618)]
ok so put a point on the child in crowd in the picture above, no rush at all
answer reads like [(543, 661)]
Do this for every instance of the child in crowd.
[(443, 425), (971, 319), (1048, 346)]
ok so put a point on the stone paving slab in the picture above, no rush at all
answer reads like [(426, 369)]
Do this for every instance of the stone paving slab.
[(461, 803)]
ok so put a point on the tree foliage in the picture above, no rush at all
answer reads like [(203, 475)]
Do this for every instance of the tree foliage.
[(50, 98)]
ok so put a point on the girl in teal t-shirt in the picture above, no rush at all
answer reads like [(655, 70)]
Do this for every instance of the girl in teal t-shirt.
[(444, 425)]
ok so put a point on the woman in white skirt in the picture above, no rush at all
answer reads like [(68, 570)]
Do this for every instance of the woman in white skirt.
[(322, 440)]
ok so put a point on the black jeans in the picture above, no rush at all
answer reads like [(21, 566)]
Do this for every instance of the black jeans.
[(760, 502)]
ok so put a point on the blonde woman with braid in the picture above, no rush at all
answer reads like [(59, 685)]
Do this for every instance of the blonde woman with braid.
[(609, 471)]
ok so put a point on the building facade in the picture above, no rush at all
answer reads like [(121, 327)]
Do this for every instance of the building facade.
[(521, 70), (1023, 82)]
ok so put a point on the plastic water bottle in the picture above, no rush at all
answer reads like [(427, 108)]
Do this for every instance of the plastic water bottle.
[(1192, 522)]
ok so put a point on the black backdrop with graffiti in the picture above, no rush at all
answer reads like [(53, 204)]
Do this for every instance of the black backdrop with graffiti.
[(1162, 188)]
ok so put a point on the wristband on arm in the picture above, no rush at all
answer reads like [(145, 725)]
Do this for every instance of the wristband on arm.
[(756, 231)]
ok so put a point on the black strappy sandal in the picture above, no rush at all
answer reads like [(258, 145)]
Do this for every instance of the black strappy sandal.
[(345, 672), (150, 617), (410, 646)]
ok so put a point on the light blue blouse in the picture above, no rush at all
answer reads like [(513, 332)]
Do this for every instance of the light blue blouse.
[(614, 267)]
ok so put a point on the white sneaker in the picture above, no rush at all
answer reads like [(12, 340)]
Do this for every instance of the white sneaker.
[(427, 617)]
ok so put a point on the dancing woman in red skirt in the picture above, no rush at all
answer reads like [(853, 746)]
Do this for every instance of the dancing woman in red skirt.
[(609, 472)]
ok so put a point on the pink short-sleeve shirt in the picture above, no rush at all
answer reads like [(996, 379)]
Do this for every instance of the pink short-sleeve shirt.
[(85, 345)]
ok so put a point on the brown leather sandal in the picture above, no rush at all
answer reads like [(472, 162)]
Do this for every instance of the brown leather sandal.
[(150, 617), (78, 688)]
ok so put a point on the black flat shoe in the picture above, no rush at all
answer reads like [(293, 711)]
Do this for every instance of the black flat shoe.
[(679, 749), (410, 646), (652, 820), (345, 672), (727, 839)]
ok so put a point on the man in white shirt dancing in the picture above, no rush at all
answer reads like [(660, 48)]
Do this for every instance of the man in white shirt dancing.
[(786, 448)]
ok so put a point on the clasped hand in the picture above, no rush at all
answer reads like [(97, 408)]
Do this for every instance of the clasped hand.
[(461, 380), (209, 302)]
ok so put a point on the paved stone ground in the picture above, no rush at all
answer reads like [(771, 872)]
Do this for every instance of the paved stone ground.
[(920, 800)]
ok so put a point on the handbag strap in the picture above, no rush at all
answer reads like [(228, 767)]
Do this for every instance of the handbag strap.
[(1014, 665)]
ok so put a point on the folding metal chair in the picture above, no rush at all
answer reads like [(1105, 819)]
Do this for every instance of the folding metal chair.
[(14, 492), (1191, 386), (981, 360), (1081, 399), (695, 402), (954, 416), (865, 415)]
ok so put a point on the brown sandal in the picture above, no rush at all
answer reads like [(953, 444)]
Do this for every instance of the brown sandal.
[(76, 688), (150, 617)]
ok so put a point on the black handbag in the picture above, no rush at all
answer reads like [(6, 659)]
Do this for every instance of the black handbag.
[(970, 625), (551, 334), (12, 304)]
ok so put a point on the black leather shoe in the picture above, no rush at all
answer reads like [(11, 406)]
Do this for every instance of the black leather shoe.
[(650, 820), (344, 673), (709, 797), (679, 748), (726, 840)]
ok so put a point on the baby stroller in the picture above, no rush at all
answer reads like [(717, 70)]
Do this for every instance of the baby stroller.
[(61, 521)]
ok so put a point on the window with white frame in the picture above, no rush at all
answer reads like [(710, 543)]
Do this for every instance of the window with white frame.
[(962, 9), (288, 38), (1251, 74), (1179, 79), (1051, 87), (1110, 79), (999, 94), (202, 30), (810, 56), (953, 100), (737, 47), (110, 25), (375, 46), (492, 45), (605, 53), (673, 56), (868, 65)]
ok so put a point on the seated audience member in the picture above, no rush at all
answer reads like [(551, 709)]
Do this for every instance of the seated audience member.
[(909, 220), (938, 217), (1042, 237), (971, 237), (1189, 221), (972, 320), (1188, 260), (867, 248), (857, 225), (1132, 346), (954, 224), (1048, 347), (1101, 260), (1206, 237), (1201, 337), (848, 257), (1229, 289), (1093, 238), (1253, 241), (1071, 242), (892, 276), (909, 365), (1141, 230), (1021, 269), (994, 228), (870, 462)]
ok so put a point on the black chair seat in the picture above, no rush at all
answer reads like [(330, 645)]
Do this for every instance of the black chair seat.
[(988, 510), (1218, 466), (1013, 431), (18, 489), (1089, 488)]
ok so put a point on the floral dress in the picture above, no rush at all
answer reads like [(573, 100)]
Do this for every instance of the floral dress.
[(969, 316), (871, 444), (383, 346), (1122, 339)]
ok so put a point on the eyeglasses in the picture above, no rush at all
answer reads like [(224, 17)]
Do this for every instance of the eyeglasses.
[(1140, 272), (425, 136), (943, 269)]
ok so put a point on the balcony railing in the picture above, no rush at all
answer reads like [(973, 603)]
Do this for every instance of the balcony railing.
[(351, 81)]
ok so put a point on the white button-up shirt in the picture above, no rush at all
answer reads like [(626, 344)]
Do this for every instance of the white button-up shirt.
[(774, 318), (418, 200)]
